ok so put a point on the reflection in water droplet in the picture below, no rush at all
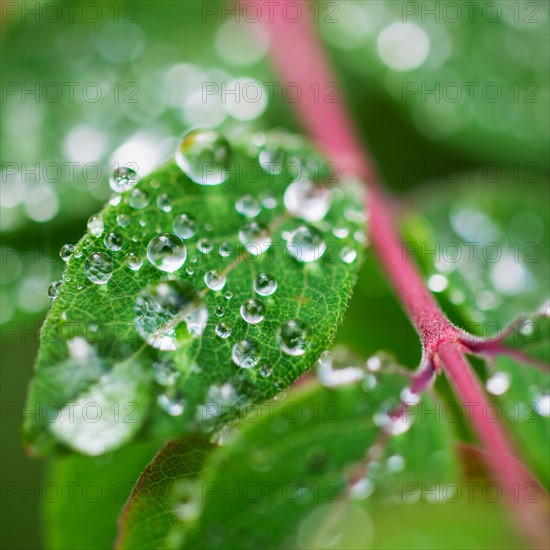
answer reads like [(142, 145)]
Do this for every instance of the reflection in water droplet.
[(265, 284), (498, 383), (98, 268), (138, 199), (204, 157), (96, 225), (169, 313), (255, 237), (306, 200), (66, 252), (245, 354), (133, 261), (294, 337), (214, 279), (247, 206), (305, 244), (253, 311), (123, 179), (185, 226), (223, 330), (113, 242), (166, 252)]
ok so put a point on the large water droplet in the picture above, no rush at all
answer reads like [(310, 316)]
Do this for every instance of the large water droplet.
[(98, 268), (169, 313), (166, 252), (305, 244), (248, 206), (96, 225), (185, 226), (253, 311), (113, 242), (123, 179), (214, 279), (306, 200), (245, 354), (204, 156), (265, 284), (255, 237), (294, 337)]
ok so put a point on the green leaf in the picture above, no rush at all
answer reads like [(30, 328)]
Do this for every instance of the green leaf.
[(87, 495), (317, 447), (486, 247), (160, 347), (148, 515)]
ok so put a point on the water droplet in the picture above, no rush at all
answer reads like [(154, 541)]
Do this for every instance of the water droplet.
[(272, 157), (66, 252), (253, 311), (204, 156), (498, 383), (248, 206), (123, 179), (228, 295), (348, 255), (189, 270), (340, 232), (245, 354), (265, 284), (265, 371), (294, 337), (115, 200), (133, 261), (123, 220), (223, 330), (338, 368), (437, 283), (98, 268), (165, 373), (227, 249), (362, 489), (164, 202), (255, 237), (214, 279), (269, 201), (96, 225), (306, 200), (408, 397), (169, 313), (393, 425), (185, 226), (172, 403), (113, 242), (305, 244), (205, 246), (166, 252), (395, 463), (542, 404), (219, 311), (138, 199), (54, 288)]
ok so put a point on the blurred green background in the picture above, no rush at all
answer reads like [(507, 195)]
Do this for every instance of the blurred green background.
[(435, 91)]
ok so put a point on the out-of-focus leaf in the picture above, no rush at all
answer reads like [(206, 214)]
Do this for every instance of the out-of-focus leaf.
[(149, 515), (209, 329)]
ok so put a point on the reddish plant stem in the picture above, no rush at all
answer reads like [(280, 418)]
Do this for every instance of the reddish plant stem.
[(299, 58)]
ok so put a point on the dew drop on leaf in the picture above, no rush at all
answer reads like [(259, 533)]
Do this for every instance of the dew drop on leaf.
[(223, 330), (54, 288), (113, 242), (255, 237), (303, 199), (96, 225), (205, 246), (348, 255), (164, 202), (253, 311), (265, 284), (165, 373), (166, 252), (498, 383), (168, 314), (204, 157), (123, 179), (98, 267), (138, 199), (214, 279), (185, 226), (245, 354), (66, 252), (247, 206), (123, 220), (306, 244), (133, 261), (172, 402), (294, 337)]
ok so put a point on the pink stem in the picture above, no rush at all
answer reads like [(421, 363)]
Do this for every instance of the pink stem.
[(515, 482)]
